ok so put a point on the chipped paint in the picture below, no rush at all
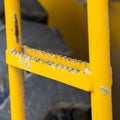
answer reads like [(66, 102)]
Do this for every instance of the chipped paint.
[(105, 91), (87, 71), (16, 30), (70, 69), (20, 62), (27, 64), (12, 50)]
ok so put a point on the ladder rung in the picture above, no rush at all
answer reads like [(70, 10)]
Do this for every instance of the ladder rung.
[(74, 63), (79, 78)]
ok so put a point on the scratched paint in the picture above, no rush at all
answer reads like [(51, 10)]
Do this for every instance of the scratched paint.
[(16, 30), (105, 91), (87, 71)]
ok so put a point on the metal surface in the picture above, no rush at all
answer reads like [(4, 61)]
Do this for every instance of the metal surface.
[(14, 40), (99, 49), (77, 77), (58, 59)]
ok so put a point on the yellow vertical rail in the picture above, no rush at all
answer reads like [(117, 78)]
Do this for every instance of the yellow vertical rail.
[(99, 48), (14, 41)]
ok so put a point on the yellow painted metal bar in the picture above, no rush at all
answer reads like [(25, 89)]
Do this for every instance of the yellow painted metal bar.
[(73, 63), (14, 40), (71, 76), (99, 48)]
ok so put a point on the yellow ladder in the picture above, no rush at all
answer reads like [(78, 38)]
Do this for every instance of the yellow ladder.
[(94, 77)]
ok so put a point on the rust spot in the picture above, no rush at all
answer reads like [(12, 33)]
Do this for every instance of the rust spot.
[(16, 30)]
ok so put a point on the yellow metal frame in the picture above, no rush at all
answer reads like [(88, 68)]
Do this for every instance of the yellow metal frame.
[(94, 77)]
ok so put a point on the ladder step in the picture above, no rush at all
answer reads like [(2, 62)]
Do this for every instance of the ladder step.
[(58, 59), (79, 78)]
